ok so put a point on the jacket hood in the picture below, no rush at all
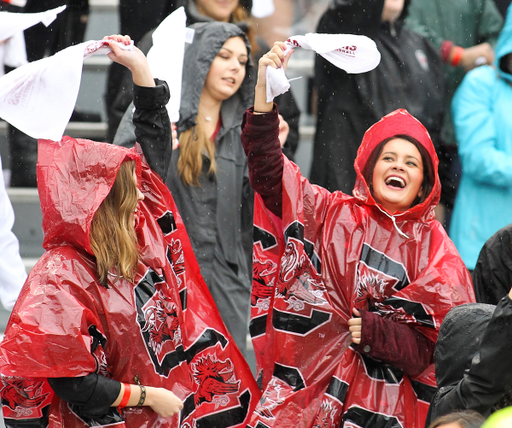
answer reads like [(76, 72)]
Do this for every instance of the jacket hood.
[(459, 340), (399, 122), (74, 176), (209, 37), (504, 45)]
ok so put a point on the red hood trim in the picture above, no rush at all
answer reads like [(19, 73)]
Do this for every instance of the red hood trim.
[(398, 122), (73, 178)]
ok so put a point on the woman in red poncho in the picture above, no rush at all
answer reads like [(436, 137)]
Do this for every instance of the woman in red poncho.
[(115, 325), (348, 291)]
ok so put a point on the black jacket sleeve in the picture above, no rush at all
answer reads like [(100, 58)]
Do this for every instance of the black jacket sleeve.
[(489, 376), (91, 395), (153, 126), (492, 277)]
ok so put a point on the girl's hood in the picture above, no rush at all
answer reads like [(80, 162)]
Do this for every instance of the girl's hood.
[(209, 37), (74, 176), (399, 122)]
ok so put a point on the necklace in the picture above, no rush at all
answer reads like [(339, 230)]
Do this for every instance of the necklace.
[(208, 118)]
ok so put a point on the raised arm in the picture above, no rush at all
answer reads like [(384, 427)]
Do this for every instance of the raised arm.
[(260, 136), (153, 129)]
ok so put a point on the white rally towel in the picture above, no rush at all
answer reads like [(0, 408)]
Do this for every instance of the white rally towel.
[(12, 23), (354, 54), (12, 42), (38, 98), (262, 8), (166, 59)]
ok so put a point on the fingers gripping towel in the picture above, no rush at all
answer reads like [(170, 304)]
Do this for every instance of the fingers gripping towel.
[(38, 98), (354, 54)]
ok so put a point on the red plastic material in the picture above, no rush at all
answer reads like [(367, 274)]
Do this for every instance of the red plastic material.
[(332, 252)]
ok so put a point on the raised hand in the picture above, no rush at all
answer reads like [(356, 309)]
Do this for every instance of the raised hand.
[(132, 59), (274, 58)]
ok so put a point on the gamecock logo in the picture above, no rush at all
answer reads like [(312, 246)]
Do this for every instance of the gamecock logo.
[(162, 323), (273, 396), (373, 287), (298, 279), (175, 253), (215, 379), (263, 280), (22, 395), (326, 415)]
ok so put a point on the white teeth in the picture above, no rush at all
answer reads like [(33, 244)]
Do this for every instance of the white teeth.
[(230, 80), (397, 180)]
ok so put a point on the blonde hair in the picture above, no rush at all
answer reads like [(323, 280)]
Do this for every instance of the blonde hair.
[(112, 235), (193, 142)]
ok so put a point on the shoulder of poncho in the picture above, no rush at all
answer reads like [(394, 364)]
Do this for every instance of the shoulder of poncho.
[(56, 262)]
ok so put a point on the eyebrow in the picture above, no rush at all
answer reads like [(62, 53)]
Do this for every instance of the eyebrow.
[(230, 51), (407, 156)]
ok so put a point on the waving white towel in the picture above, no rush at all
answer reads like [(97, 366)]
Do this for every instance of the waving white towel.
[(262, 8), (166, 59), (354, 54), (12, 23), (12, 51), (38, 98)]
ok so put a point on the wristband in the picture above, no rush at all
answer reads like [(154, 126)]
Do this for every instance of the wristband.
[(457, 55), (126, 396), (142, 398), (446, 49)]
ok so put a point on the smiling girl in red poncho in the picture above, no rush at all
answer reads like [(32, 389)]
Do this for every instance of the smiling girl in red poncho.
[(349, 291)]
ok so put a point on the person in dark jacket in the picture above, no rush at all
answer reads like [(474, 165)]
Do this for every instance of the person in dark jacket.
[(472, 359), (492, 276), (208, 172), (237, 12), (409, 76), (464, 33)]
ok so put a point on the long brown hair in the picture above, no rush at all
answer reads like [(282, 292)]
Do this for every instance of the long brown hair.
[(112, 235), (428, 169), (193, 143), (240, 15)]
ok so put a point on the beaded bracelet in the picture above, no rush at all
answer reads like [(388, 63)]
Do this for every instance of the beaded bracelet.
[(126, 396), (142, 398)]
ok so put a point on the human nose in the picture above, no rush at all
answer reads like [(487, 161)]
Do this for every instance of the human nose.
[(235, 64), (398, 165), (140, 195)]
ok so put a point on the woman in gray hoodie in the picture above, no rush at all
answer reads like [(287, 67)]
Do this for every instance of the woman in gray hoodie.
[(208, 172)]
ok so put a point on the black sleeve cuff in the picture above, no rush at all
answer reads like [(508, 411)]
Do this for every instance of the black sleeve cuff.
[(151, 98), (93, 394)]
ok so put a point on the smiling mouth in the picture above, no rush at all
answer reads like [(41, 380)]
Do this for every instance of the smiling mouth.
[(230, 80), (396, 182)]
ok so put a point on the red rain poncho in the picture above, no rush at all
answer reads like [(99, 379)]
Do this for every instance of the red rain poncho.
[(332, 252), (163, 330)]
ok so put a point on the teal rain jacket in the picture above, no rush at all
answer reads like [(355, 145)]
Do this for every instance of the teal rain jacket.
[(482, 109)]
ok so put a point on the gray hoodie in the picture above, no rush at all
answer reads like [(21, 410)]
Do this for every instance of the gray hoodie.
[(212, 211)]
